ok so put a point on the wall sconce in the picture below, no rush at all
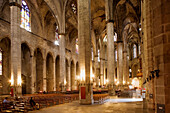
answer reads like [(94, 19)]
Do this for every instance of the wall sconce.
[(107, 81), (19, 81), (115, 80), (152, 72), (65, 82), (157, 72), (12, 80)]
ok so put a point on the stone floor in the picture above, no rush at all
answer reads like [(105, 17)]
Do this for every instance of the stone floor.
[(112, 105)]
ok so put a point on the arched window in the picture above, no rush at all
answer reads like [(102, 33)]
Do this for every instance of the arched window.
[(115, 37), (92, 54), (134, 51), (139, 49), (105, 38), (25, 17), (74, 8), (98, 55), (130, 73), (57, 40), (116, 55), (77, 46), (0, 62)]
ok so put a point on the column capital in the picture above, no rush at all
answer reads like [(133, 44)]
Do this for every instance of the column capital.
[(120, 41), (102, 59), (95, 55), (124, 51), (110, 21), (15, 4), (61, 33)]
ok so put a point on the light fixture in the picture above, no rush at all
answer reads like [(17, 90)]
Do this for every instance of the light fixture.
[(65, 82), (12, 80), (117, 83), (124, 82), (19, 81), (82, 75), (107, 80)]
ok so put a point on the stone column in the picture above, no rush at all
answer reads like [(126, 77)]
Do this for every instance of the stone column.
[(62, 62), (84, 35), (120, 62), (44, 75), (125, 60), (125, 67), (110, 44), (69, 79), (102, 65), (97, 73), (15, 12), (102, 72), (74, 79), (110, 55), (54, 75), (33, 73), (161, 53)]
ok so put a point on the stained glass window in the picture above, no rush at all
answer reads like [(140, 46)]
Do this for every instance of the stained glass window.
[(57, 39), (134, 51), (77, 46), (0, 62), (25, 17), (116, 55), (98, 55), (74, 8)]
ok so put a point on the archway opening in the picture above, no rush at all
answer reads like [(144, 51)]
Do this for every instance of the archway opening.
[(72, 75), (26, 69), (57, 72), (49, 72), (5, 68)]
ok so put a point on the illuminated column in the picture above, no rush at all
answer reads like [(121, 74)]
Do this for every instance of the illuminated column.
[(102, 65), (104, 72), (69, 78), (120, 62), (125, 60), (125, 68), (44, 75), (62, 62), (97, 73), (15, 12), (84, 35), (110, 45)]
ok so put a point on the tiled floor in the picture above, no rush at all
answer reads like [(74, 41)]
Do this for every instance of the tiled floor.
[(112, 105)]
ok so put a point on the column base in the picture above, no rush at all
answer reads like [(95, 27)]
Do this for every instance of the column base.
[(63, 88), (18, 91), (111, 90), (86, 94)]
